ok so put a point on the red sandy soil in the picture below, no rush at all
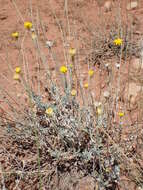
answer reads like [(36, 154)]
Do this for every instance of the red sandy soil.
[(84, 16)]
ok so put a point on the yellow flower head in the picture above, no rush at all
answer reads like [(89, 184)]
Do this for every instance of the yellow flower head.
[(90, 72), (73, 92), (118, 41), (16, 76), (86, 85), (17, 69), (15, 35), (49, 111), (28, 25), (63, 69), (72, 52), (121, 114)]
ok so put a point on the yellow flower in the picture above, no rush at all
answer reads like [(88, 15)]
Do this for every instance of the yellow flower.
[(49, 111), (17, 69), (28, 25), (90, 72), (72, 52), (86, 85), (73, 92), (118, 41), (63, 69), (16, 76), (15, 35), (121, 114)]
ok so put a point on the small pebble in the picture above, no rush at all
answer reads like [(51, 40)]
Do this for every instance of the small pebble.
[(108, 6), (132, 5), (117, 65), (106, 94), (49, 43)]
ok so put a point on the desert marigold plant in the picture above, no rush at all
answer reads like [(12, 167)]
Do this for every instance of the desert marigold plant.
[(63, 69), (28, 25), (17, 69), (90, 72), (15, 35), (118, 41), (49, 111)]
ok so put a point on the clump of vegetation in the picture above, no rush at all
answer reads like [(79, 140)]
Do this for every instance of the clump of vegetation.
[(63, 133)]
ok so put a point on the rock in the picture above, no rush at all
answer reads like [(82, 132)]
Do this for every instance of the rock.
[(141, 43), (100, 3), (134, 89), (97, 104), (19, 95), (132, 94), (106, 94), (137, 32), (103, 85), (3, 17), (132, 101), (86, 183), (139, 188), (137, 64), (49, 43), (117, 65), (106, 65), (132, 5), (135, 22), (1, 151), (107, 6)]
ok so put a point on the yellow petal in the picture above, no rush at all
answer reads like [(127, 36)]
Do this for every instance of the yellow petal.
[(73, 92), (17, 69), (63, 69), (90, 72), (15, 34), (49, 111), (28, 25), (121, 114), (86, 85), (118, 41)]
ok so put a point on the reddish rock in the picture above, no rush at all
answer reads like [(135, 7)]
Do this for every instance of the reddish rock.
[(132, 5), (86, 183), (108, 6)]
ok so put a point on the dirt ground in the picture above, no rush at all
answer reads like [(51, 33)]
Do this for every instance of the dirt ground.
[(84, 18)]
